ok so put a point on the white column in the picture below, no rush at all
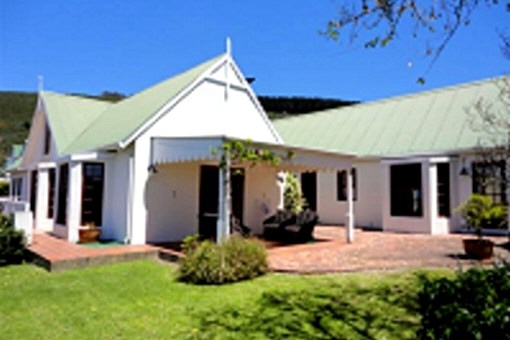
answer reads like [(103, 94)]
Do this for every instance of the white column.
[(140, 178), (350, 208), (224, 197), (41, 215), (74, 201)]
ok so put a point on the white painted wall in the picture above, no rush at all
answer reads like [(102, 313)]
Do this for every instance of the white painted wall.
[(204, 112), (367, 207), (116, 196), (261, 192), (172, 199)]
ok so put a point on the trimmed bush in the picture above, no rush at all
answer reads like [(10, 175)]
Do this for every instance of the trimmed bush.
[(4, 189), (234, 260), (12, 242), (473, 305)]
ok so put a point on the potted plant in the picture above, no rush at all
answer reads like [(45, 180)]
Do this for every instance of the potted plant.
[(480, 211), (90, 233)]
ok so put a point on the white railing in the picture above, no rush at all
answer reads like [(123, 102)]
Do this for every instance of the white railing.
[(9, 207)]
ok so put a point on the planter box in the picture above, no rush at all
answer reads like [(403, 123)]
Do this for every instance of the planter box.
[(89, 235), (479, 249)]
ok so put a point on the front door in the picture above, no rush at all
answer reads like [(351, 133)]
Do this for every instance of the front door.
[(309, 189), (208, 199)]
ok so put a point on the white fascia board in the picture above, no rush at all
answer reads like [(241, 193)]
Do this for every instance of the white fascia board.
[(255, 100), (172, 103), (46, 165), (28, 141)]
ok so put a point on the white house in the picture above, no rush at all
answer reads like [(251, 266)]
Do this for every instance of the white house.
[(416, 157), (143, 169)]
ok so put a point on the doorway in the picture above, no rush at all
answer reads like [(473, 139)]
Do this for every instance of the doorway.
[(208, 199), (309, 189)]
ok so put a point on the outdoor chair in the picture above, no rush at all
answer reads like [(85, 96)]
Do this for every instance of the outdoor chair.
[(286, 226)]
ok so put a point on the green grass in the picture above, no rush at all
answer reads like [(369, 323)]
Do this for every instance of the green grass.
[(144, 300)]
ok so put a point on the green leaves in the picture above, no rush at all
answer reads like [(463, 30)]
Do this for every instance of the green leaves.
[(245, 152)]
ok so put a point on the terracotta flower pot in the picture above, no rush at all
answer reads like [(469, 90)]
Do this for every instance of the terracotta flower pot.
[(479, 249), (89, 235)]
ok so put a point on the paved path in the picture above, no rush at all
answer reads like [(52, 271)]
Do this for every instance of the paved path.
[(374, 250)]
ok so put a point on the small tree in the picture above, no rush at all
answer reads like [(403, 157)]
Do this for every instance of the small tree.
[(292, 195)]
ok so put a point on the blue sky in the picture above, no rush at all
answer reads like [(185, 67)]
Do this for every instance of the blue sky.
[(126, 46)]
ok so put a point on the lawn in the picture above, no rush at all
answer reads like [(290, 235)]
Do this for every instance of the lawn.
[(144, 300)]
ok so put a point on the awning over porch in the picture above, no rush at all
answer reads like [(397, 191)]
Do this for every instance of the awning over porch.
[(177, 150), (294, 159)]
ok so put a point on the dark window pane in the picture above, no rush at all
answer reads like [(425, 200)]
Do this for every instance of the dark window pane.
[(443, 189), (341, 185), (92, 194), (63, 174), (33, 192), (47, 140), (406, 192), (51, 192)]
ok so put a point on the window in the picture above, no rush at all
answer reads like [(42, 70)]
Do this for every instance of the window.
[(406, 192), (92, 194), (47, 139), (341, 185), (33, 192), (51, 192), (63, 179), (443, 189), (16, 188), (489, 178)]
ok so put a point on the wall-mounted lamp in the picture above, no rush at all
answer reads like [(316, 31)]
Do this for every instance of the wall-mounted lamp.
[(464, 171), (152, 169)]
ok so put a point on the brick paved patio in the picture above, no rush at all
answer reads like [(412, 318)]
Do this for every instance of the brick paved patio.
[(371, 250), (56, 254), (374, 250)]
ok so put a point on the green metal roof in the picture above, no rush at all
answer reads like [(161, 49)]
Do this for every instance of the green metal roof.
[(69, 115), (423, 123), (119, 121), (15, 158)]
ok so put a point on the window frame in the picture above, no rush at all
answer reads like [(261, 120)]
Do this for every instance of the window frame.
[(406, 184), (484, 169), (52, 179), (92, 197), (443, 190), (63, 190)]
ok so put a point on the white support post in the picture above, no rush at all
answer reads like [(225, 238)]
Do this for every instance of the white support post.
[(223, 221), (350, 208), (74, 201)]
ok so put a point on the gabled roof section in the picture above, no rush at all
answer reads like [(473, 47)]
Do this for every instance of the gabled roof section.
[(68, 116), (121, 120), (425, 123)]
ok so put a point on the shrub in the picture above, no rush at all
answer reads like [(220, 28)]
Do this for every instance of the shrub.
[(480, 211), (293, 195), (234, 260), (473, 305), (4, 189), (12, 242)]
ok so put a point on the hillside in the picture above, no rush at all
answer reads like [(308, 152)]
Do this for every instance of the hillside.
[(17, 108)]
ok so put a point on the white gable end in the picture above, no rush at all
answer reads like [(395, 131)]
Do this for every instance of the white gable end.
[(220, 103), (35, 148)]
